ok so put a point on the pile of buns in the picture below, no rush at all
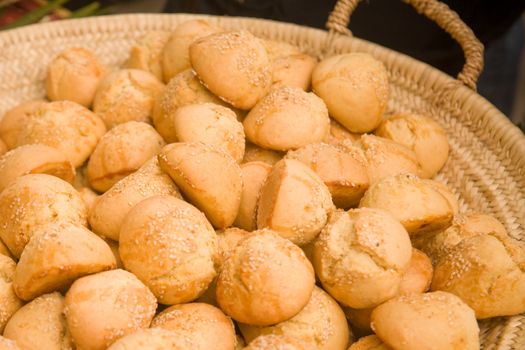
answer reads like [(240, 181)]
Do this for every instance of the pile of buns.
[(221, 191)]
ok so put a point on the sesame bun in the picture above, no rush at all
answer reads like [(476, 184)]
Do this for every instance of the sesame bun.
[(339, 133), (293, 70), (8, 344), (153, 339), (266, 280), (228, 240), (147, 53), (371, 342), (106, 306), (418, 276), (254, 153), (273, 341), (9, 302), (14, 121)]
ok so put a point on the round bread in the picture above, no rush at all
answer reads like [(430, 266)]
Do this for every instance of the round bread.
[(14, 121), (40, 324), (254, 153), (254, 176), (126, 95), (120, 152), (436, 320), (34, 159), (171, 247), (294, 201), (273, 341), (67, 126), (244, 76), (266, 280), (153, 339), (320, 325), (355, 88), (58, 254), (203, 325), (293, 70), (147, 53), (421, 134), (106, 306), (228, 240), (276, 49), (339, 133), (88, 196), (74, 75), (371, 342), (3, 148), (361, 256), (418, 276), (211, 124), (176, 53), (209, 178), (109, 210), (343, 170), (8, 344), (416, 203), (487, 272), (35, 200), (287, 118), (9, 302)]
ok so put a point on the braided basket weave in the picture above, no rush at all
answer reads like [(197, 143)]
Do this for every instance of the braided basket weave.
[(486, 167)]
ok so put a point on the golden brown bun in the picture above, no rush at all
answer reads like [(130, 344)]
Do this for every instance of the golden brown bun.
[(209, 178), (361, 256), (34, 159), (40, 324), (211, 124), (58, 254), (371, 342), (355, 88), (487, 273), (203, 325), (120, 152), (244, 76), (109, 210), (153, 339), (276, 49), (14, 121), (339, 133), (275, 341), (266, 280), (106, 306), (436, 320), (74, 75), (126, 95), (254, 176), (228, 240), (294, 201), (293, 70), (254, 153), (418, 276), (9, 302), (418, 204), (343, 170), (8, 344), (67, 126), (40, 199), (421, 134), (176, 53), (320, 325), (88, 196), (147, 53), (171, 247), (287, 118)]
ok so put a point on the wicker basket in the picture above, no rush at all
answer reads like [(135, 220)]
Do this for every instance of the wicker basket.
[(486, 166)]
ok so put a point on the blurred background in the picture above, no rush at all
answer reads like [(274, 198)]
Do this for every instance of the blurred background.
[(500, 25)]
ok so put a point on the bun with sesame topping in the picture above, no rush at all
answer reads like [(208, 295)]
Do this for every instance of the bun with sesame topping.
[(254, 153), (9, 302), (293, 70), (371, 342), (153, 339), (13, 121), (147, 53), (275, 341)]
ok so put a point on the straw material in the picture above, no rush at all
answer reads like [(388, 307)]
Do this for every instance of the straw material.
[(487, 159)]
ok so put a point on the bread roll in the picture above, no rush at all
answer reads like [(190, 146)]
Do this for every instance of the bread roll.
[(120, 152), (287, 118), (14, 121), (244, 76), (254, 153), (416, 203), (74, 75), (276, 49), (58, 254), (266, 280), (294, 201), (355, 88), (361, 256), (176, 53), (152, 339), (418, 276), (36, 200), (106, 306), (34, 159), (343, 170), (88, 196), (40, 324), (203, 325), (147, 53), (421, 134), (320, 325), (67, 126), (273, 341), (126, 95), (371, 342), (109, 210), (339, 133), (211, 124), (254, 176), (8, 344), (171, 247), (209, 178), (9, 302), (436, 320), (293, 70), (228, 240)]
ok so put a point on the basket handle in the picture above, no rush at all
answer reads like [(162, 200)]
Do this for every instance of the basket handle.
[(436, 11)]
